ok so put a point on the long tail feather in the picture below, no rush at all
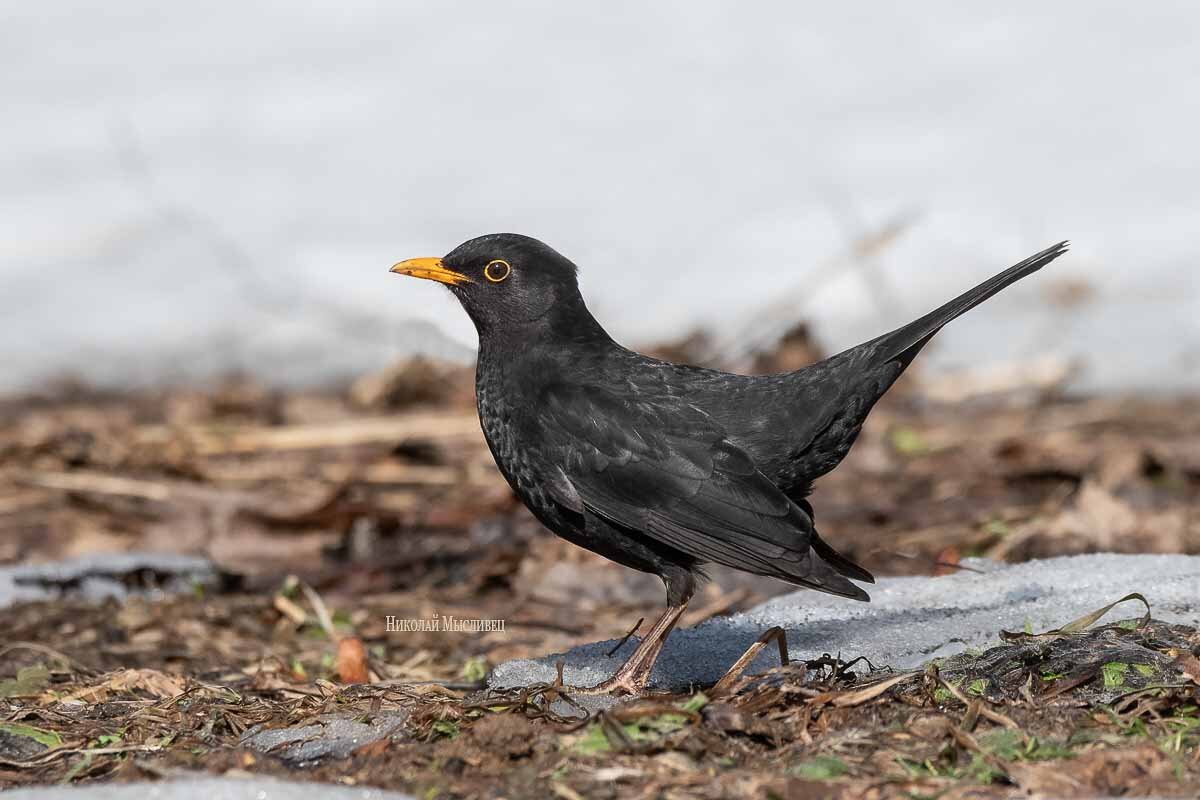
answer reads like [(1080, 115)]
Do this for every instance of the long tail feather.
[(914, 335)]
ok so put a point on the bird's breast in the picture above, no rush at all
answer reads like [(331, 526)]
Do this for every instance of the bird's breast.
[(509, 427)]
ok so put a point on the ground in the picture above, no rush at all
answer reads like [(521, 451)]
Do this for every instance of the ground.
[(326, 512)]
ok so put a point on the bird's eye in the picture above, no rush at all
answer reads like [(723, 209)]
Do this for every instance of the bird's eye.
[(497, 270)]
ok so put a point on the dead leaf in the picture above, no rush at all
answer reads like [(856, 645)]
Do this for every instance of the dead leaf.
[(946, 562), (1083, 623), (1086, 621), (414, 381), (151, 681), (933, 728), (352, 661), (374, 749), (1190, 665), (1098, 516), (1142, 771)]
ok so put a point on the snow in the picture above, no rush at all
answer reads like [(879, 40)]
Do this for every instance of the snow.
[(192, 189), (909, 620)]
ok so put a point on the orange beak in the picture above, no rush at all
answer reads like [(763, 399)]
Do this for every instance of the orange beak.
[(430, 269)]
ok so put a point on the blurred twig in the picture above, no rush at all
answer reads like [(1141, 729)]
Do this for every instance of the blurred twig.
[(766, 325)]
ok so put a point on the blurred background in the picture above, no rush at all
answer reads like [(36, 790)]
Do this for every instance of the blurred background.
[(190, 190)]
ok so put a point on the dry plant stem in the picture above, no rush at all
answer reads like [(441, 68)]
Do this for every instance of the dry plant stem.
[(729, 678), (34, 647), (984, 711), (626, 637), (320, 609), (343, 433), (96, 484), (856, 697), (52, 755)]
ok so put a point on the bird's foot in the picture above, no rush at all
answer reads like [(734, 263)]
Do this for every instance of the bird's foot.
[(631, 679), (634, 675), (621, 683)]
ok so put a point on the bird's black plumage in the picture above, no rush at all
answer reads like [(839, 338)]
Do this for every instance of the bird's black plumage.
[(666, 467)]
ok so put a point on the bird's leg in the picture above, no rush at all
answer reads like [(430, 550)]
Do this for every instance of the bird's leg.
[(634, 674)]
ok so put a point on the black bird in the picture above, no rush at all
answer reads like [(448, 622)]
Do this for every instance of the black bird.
[(658, 466)]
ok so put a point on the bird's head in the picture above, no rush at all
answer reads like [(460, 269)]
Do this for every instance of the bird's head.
[(505, 281)]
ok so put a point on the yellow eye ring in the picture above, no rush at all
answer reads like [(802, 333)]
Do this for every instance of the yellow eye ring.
[(497, 270)]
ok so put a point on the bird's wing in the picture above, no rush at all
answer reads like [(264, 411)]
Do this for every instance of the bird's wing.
[(664, 469)]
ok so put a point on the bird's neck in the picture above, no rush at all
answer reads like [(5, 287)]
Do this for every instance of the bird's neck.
[(568, 326)]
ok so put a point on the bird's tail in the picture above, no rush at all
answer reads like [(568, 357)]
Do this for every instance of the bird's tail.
[(827, 574), (839, 562), (904, 343)]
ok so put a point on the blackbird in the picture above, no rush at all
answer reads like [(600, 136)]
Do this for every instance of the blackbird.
[(658, 466)]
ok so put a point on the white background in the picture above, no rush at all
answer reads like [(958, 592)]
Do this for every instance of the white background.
[(187, 188)]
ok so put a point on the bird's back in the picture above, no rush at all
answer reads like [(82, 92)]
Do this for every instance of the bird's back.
[(796, 425), (800, 425)]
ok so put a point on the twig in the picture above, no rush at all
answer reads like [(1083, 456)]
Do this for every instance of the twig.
[(625, 638), (47, 651), (857, 697), (322, 612), (984, 710), (347, 433), (289, 609), (769, 323), (52, 755), (95, 484), (724, 685)]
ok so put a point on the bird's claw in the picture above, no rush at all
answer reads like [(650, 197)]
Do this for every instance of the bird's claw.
[(631, 679)]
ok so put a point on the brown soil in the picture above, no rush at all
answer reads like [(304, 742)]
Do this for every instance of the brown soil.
[(330, 511)]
